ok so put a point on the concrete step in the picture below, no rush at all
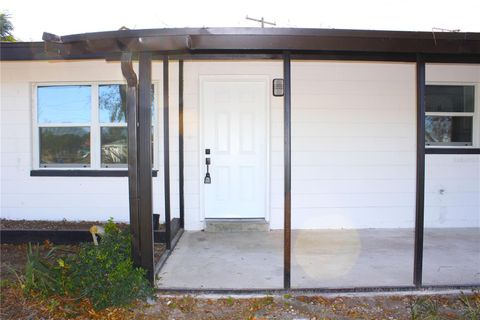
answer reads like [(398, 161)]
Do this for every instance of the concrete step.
[(236, 225)]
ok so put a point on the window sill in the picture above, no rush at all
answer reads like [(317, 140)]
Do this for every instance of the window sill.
[(451, 150), (82, 173)]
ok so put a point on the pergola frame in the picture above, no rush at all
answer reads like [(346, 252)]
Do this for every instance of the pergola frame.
[(252, 43)]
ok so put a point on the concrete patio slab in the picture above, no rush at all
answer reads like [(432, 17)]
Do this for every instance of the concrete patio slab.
[(320, 259)]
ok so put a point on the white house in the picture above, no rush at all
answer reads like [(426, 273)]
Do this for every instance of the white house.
[(353, 132)]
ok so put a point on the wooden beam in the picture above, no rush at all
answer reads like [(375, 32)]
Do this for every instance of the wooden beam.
[(145, 163), (166, 152), (420, 173), (181, 175), (287, 151), (133, 182)]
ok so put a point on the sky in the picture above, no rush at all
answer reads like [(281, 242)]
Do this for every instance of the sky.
[(62, 17)]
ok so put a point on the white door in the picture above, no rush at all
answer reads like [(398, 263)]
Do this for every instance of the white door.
[(235, 132)]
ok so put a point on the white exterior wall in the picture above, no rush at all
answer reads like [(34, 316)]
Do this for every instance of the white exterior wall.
[(353, 147), (71, 198), (452, 182)]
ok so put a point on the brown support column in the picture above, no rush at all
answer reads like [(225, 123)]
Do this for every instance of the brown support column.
[(132, 113), (166, 154), (145, 162), (181, 176), (287, 171), (420, 178)]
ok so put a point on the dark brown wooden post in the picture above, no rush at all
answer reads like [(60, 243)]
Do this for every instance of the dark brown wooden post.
[(145, 162), (166, 154), (181, 176), (287, 171), (420, 175), (133, 181)]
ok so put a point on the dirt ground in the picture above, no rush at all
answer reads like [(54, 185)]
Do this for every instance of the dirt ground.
[(50, 225), (14, 255), (15, 305)]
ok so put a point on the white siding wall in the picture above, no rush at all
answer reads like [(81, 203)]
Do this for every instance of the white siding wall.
[(72, 198), (353, 140), (452, 185), (353, 145)]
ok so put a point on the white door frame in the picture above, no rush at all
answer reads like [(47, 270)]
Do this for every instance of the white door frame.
[(201, 118)]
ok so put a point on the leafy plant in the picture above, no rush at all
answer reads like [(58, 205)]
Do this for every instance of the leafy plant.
[(104, 274), (471, 306), (6, 28), (41, 276), (424, 309)]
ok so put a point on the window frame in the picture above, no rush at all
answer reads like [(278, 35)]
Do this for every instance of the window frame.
[(95, 127), (475, 115)]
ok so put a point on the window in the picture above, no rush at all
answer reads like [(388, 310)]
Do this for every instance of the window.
[(83, 126), (112, 109), (450, 115)]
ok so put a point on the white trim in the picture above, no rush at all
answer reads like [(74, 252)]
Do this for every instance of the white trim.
[(34, 147), (95, 144), (450, 114), (201, 158), (94, 125)]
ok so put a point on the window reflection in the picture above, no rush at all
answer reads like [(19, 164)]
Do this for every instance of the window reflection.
[(443, 129), (112, 103), (114, 146), (441, 98), (64, 104), (65, 146)]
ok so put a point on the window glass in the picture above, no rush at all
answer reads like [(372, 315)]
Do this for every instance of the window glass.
[(443, 129), (64, 146), (64, 104), (439, 98), (66, 127), (114, 146), (112, 103)]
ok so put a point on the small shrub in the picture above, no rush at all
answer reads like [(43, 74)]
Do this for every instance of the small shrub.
[(471, 306), (424, 309), (104, 274)]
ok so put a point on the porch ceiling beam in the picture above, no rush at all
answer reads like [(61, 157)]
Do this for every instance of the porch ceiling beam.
[(272, 39), (25, 51)]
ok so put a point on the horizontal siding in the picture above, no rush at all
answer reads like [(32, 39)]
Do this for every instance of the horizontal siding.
[(78, 198), (353, 147), (452, 182), (353, 144)]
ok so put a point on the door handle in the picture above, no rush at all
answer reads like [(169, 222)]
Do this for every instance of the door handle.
[(207, 179)]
